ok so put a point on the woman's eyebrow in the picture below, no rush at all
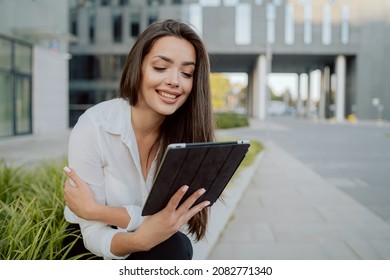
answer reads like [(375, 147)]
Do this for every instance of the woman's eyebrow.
[(169, 60)]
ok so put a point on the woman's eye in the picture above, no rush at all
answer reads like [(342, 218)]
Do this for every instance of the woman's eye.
[(187, 75), (159, 68)]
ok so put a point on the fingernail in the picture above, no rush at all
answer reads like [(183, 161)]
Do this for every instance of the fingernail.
[(206, 203), (201, 191), (185, 188), (67, 169)]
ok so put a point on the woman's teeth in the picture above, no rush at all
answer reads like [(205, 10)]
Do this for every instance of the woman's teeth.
[(168, 95)]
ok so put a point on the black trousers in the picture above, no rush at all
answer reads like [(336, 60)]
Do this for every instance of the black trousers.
[(177, 247)]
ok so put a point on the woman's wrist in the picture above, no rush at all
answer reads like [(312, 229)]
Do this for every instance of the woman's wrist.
[(125, 243), (94, 212)]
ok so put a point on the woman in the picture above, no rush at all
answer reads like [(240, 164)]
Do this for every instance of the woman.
[(116, 146)]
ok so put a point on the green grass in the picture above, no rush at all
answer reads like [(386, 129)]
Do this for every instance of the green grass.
[(32, 225)]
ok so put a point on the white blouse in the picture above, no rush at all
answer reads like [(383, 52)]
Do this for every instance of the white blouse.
[(103, 151)]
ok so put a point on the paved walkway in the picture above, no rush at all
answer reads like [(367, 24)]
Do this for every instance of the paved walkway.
[(290, 212), (276, 209)]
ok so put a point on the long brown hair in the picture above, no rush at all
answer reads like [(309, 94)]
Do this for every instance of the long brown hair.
[(193, 121)]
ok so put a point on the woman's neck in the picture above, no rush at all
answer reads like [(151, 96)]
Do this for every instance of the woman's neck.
[(146, 126), (145, 123)]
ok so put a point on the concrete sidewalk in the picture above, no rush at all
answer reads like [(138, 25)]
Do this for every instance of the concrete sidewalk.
[(290, 212), (29, 149)]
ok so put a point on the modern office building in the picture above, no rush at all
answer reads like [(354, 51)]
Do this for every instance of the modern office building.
[(34, 83), (345, 39)]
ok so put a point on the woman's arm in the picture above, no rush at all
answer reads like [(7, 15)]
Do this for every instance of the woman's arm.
[(81, 201)]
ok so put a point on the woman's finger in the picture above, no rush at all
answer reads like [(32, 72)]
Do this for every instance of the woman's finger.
[(176, 198), (195, 209), (74, 179), (189, 202)]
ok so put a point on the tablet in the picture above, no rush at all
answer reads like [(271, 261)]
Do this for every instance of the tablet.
[(198, 165)]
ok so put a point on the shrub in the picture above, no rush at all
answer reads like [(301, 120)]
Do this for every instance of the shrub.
[(230, 120)]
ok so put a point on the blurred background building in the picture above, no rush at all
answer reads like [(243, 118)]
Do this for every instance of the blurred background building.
[(343, 41), (34, 83), (336, 50)]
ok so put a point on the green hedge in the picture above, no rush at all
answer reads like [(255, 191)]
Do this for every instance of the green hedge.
[(230, 120)]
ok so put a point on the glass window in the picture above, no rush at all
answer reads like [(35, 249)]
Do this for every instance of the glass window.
[(210, 3), (327, 24), (195, 14), (155, 2), (152, 18), (117, 26), (289, 24), (91, 26), (271, 17), (345, 24), (109, 67), (22, 58), (22, 105), (6, 105), (73, 23), (243, 34), (307, 23), (83, 67), (231, 3), (5, 53), (135, 24)]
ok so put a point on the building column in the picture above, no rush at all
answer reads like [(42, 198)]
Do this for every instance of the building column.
[(299, 97), (308, 99), (325, 88), (260, 88), (340, 87)]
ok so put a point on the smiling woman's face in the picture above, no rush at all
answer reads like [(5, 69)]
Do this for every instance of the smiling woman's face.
[(167, 75)]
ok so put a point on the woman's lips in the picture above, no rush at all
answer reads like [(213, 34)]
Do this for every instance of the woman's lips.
[(168, 97)]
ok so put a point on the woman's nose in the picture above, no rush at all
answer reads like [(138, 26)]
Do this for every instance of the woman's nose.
[(173, 79)]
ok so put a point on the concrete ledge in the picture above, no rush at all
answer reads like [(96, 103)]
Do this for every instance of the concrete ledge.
[(223, 209)]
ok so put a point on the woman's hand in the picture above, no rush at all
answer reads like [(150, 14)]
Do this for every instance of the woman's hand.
[(162, 225), (78, 196)]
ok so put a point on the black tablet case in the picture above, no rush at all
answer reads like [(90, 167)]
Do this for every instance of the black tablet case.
[(198, 165)]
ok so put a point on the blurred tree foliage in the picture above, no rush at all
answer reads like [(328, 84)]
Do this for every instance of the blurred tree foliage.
[(220, 88)]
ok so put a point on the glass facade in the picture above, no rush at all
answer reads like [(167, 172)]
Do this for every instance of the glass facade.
[(98, 67), (15, 87), (105, 70)]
